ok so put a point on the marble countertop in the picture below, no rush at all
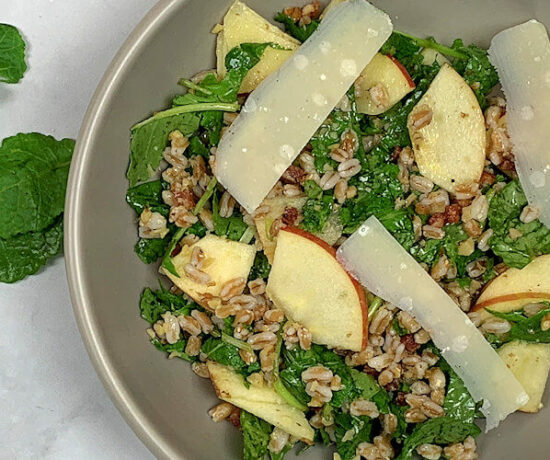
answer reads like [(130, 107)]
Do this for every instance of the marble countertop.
[(52, 404)]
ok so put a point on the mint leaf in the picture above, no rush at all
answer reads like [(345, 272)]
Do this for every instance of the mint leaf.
[(12, 54), (33, 178), (24, 254)]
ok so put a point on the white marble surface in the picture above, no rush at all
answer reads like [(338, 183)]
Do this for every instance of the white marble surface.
[(52, 404)]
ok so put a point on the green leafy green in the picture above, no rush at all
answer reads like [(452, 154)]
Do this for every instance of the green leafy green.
[(174, 349), (280, 455), (12, 54), (527, 329), (316, 212), (300, 32), (228, 355), (298, 360), (368, 388), (149, 138), (343, 423), (504, 210), (150, 250), (154, 303), (232, 227), (260, 268), (24, 254), (477, 70), (33, 177), (400, 330), (441, 430), (148, 194), (255, 436), (459, 404)]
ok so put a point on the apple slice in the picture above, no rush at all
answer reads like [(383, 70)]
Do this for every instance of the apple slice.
[(312, 288), (225, 260), (447, 131), (241, 24), (277, 206), (382, 83), (530, 363), (262, 401), (517, 287)]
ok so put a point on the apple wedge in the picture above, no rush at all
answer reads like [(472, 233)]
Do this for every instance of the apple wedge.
[(515, 288), (225, 260), (447, 131), (382, 84), (312, 288), (530, 363), (277, 206), (243, 25), (262, 401)]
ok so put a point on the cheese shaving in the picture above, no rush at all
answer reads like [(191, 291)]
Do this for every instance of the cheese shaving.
[(379, 262)]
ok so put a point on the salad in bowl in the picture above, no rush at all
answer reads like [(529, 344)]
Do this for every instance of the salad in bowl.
[(351, 228)]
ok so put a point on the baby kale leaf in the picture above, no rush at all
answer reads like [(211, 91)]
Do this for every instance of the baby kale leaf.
[(300, 32), (12, 54), (24, 254), (33, 177)]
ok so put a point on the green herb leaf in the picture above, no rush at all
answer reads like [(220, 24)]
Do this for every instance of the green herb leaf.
[(260, 268), (255, 436), (232, 227), (316, 213), (228, 355), (148, 141), (294, 29), (343, 423), (174, 349), (524, 328), (441, 430), (150, 250), (12, 54), (459, 404), (154, 303), (24, 254), (504, 210), (33, 178), (149, 195)]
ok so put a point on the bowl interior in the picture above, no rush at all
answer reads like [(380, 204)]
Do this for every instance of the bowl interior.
[(162, 399)]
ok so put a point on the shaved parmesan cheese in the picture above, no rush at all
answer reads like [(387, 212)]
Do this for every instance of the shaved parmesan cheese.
[(521, 56), (386, 269), (282, 114)]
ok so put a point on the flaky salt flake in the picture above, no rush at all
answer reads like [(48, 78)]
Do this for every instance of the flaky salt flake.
[(376, 259), (521, 55)]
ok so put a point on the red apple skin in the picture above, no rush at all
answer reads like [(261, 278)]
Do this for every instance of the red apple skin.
[(403, 70), (358, 288), (509, 297)]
